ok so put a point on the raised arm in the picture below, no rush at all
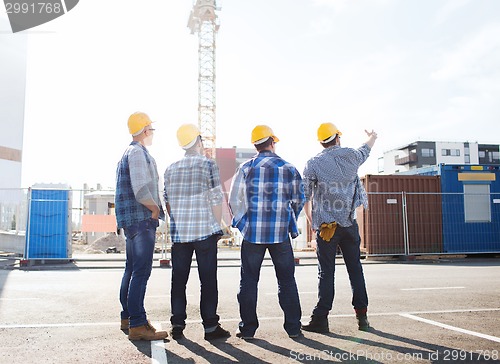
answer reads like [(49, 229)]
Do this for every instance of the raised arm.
[(372, 136)]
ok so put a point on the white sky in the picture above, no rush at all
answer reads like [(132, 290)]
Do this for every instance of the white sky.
[(409, 69)]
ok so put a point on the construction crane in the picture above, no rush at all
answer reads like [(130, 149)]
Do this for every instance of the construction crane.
[(203, 21)]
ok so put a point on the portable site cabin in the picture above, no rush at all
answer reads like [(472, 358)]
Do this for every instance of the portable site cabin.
[(471, 208), (48, 231)]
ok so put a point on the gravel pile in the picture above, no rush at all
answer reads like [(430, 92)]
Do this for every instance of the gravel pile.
[(102, 244)]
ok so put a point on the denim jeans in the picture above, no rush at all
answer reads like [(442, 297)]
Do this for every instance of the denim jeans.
[(206, 258), (140, 242), (252, 256), (348, 239)]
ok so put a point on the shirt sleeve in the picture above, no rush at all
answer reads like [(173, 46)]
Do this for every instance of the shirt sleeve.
[(140, 178), (362, 154), (215, 195), (237, 196), (298, 197), (309, 181), (165, 184)]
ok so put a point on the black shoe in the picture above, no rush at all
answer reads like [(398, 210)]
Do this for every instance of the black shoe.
[(295, 336), (177, 332), (363, 323), (244, 337), (317, 324), (218, 333)]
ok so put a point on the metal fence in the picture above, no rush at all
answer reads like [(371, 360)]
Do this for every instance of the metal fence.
[(430, 223), (395, 224)]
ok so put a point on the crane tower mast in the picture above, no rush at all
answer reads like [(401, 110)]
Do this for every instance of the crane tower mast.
[(204, 21)]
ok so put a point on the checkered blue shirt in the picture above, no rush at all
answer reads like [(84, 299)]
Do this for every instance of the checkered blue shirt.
[(192, 187), (331, 180), (266, 198), (136, 182)]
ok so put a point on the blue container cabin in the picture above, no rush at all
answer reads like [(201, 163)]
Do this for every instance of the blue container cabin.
[(471, 208), (48, 234)]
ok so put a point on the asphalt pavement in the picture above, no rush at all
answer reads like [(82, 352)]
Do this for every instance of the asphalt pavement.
[(439, 310)]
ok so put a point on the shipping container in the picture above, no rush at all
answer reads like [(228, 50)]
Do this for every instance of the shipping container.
[(403, 216), (471, 208)]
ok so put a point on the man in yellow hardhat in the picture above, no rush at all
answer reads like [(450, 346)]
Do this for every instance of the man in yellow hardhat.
[(333, 191), (266, 198), (193, 196), (138, 210)]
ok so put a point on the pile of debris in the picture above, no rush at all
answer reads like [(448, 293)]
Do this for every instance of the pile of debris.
[(110, 243)]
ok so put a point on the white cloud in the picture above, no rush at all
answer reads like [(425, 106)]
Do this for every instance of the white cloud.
[(340, 6), (321, 26), (477, 56), (359, 63), (447, 10), (337, 5)]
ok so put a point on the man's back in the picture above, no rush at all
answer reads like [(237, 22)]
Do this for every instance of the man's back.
[(332, 178), (266, 198), (192, 186), (136, 181)]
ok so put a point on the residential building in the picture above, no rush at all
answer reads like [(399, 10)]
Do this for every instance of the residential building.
[(431, 153)]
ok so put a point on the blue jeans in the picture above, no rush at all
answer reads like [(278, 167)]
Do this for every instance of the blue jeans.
[(348, 239), (140, 242), (206, 257), (252, 256)]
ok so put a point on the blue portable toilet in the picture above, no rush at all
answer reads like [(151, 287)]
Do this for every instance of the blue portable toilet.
[(471, 208), (48, 231)]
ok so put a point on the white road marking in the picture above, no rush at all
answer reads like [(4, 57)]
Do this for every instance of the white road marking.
[(165, 296), (90, 324), (158, 296), (453, 328), (158, 352), (275, 293), (74, 324), (440, 311), (19, 299), (429, 288)]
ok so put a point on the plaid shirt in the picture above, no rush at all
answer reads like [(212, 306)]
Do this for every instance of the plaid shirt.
[(331, 179), (136, 182), (192, 187), (266, 198)]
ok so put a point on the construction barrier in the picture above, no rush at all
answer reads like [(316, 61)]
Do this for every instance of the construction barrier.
[(45, 224)]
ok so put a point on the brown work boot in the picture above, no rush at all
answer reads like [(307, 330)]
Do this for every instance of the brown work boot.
[(124, 324), (146, 332), (151, 326)]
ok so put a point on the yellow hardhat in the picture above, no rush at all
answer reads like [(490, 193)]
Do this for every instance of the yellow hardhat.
[(261, 133), (187, 135), (327, 131), (137, 121)]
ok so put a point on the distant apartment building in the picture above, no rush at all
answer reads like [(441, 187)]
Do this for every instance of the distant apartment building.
[(13, 57), (430, 153)]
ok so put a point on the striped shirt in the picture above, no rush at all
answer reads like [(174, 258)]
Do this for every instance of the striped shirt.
[(331, 179), (192, 187), (266, 198), (136, 183)]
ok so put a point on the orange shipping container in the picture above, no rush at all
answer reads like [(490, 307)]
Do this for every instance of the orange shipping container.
[(401, 208)]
